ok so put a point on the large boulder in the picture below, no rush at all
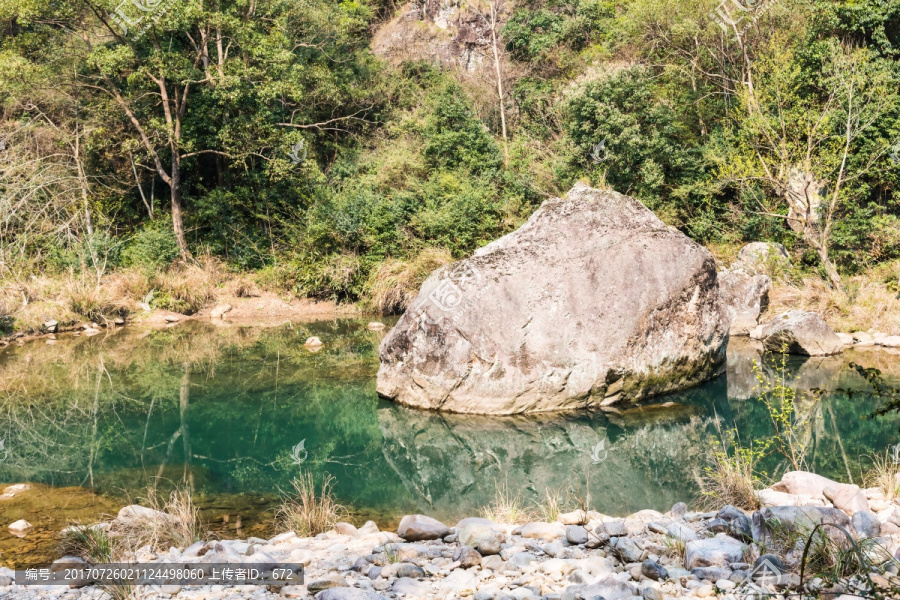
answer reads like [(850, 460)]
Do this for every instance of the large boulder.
[(593, 301), (744, 297), (801, 332)]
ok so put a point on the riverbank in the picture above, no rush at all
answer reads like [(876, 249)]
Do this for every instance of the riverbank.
[(725, 553)]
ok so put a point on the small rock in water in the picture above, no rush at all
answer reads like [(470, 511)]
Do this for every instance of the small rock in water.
[(20, 528), (653, 570), (375, 326)]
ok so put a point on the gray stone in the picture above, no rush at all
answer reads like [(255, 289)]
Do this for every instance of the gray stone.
[(348, 593), (738, 524), (800, 332), (628, 550), (542, 531), (609, 588), (576, 534), (522, 559), (711, 573), (744, 296), (679, 509), (866, 524), (797, 518), (762, 258), (713, 552), (624, 337), (481, 534), (615, 528), (653, 570), (410, 587), (325, 584), (649, 593), (467, 557), (414, 528), (409, 570)]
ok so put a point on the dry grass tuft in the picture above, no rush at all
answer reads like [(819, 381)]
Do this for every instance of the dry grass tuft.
[(240, 286), (729, 478), (506, 507), (396, 282), (187, 287), (176, 522), (866, 303), (885, 475), (308, 513)]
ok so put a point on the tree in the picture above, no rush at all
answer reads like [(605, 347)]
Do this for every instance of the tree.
[(807, 139)]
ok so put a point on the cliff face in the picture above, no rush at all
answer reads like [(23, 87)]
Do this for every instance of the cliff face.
[(447, 32)]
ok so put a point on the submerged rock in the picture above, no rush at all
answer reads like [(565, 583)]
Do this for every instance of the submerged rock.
[(593, 301), (800, 332)]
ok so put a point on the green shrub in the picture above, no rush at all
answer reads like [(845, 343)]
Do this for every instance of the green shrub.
[(152, 247)]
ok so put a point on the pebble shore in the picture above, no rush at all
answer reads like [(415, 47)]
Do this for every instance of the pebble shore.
[(581, 556)]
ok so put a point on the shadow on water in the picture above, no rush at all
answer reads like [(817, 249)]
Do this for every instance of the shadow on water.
[(220, 409)]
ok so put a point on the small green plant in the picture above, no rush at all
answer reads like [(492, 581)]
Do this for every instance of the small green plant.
[(308, 511), (91, 543), (790, 412)]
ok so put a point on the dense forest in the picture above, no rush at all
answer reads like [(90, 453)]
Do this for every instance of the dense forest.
[(343, 149)]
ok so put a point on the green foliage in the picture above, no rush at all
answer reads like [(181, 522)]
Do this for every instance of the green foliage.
[(646, 150), (791, 413), (151, 247)]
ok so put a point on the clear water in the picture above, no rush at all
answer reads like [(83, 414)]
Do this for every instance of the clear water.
[(221, 409)]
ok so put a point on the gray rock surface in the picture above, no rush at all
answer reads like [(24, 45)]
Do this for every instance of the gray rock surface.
[(744, 297), (767, 258), (536, 321), (718, 551), (415, 528), (801, 332)]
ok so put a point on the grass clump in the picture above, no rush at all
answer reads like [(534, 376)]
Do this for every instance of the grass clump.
[(730, 478), (394, 284), (885, 474), (308, 511), (507, 507)]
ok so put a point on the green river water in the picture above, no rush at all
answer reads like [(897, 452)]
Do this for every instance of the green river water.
[(92, 422)]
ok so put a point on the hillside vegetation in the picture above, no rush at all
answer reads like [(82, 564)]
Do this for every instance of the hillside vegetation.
[(143, 144)]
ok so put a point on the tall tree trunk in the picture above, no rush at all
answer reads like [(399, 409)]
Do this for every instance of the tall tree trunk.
[(177, 221)]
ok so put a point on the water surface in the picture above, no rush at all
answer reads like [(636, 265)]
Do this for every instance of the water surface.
[(220, 408)]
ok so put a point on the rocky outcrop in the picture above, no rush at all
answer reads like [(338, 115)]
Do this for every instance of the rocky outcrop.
[(448, 33), (800, 332), (762, 258), (594, 301), (744, 297)]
